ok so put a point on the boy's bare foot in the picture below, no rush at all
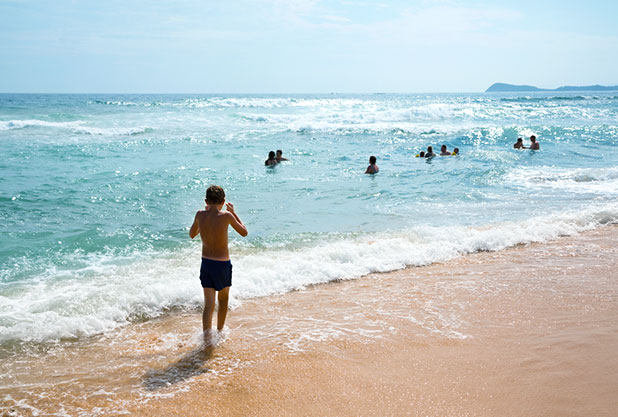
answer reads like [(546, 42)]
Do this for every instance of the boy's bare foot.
[(208, 337)]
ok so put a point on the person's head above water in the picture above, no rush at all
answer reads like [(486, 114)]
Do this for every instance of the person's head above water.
[(456, 151), (430, 149), (443, 151), (215, 195), (422, 154), (534, 145), (373, 167), (271, 161), (519, 144), (280, 156)]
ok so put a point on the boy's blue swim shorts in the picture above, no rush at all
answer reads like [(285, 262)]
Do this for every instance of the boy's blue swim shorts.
[(216, 274)]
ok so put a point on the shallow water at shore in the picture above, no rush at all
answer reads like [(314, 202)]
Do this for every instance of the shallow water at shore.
[(528, 330)]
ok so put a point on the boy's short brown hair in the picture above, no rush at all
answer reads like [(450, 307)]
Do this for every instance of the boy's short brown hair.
[(215, 195)]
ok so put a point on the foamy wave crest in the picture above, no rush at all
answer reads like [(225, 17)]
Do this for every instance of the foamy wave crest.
[(114, 291), (117, 103), (21, 124), (107, 294), (282, 271), (552, 98), (113, 131), (341, 116), (78, 127), (275, 102), (367, 119), (242, 102), (600, 181), (238, 102)]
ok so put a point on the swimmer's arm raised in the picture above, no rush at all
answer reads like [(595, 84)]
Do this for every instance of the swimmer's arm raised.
[(235, 221), (195, 228)]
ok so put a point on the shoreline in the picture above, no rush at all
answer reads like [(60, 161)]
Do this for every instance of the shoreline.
[(528, 330)]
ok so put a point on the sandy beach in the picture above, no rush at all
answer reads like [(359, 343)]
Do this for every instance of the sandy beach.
[(528, 331)]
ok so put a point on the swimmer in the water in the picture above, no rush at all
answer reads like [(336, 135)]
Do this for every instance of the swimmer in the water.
[(429, 153), (271, 161), (455, 151), (519, 144), (280, 156), (372, 168), (534, 145), (443, 151)]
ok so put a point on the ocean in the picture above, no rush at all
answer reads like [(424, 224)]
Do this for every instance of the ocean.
[(97, 193)]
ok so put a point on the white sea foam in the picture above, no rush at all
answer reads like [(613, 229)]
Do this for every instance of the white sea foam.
[(117, 103), (415, 118), (338, 114), (21, 124), (350, 258), (66, 304), (271, 102), (78, 127), (597, 181), (112, 131), (108, 294)]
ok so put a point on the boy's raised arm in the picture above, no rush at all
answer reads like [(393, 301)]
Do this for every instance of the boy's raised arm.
[(195, 228), (235, 221)]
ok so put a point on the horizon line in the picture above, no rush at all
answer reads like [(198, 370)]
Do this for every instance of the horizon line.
[(540, 90), (263, 93)]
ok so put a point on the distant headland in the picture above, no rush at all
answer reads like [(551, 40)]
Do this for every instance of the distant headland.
[(510, 88)]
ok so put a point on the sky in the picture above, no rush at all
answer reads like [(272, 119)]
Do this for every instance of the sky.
[(303, 46)]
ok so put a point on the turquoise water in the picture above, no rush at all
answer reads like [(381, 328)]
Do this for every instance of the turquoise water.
[(97, 192)]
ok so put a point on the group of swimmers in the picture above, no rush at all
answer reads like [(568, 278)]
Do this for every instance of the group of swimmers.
[(443, 152), (274, 159), (373, 167), (534, 145)]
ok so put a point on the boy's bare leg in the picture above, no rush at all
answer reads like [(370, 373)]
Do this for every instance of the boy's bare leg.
[(222, 313), (209, 308)]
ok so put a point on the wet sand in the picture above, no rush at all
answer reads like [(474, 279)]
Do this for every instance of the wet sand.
[(531, 330)]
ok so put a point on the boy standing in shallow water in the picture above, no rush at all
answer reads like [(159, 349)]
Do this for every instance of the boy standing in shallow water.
[(216, 269)]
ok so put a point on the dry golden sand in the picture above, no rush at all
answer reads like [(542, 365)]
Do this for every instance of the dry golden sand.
[(529, 331)]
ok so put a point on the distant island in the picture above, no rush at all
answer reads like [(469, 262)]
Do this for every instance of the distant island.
[(511, 88)]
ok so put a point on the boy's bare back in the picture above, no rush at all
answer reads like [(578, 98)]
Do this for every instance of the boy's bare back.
[(212, 225)]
